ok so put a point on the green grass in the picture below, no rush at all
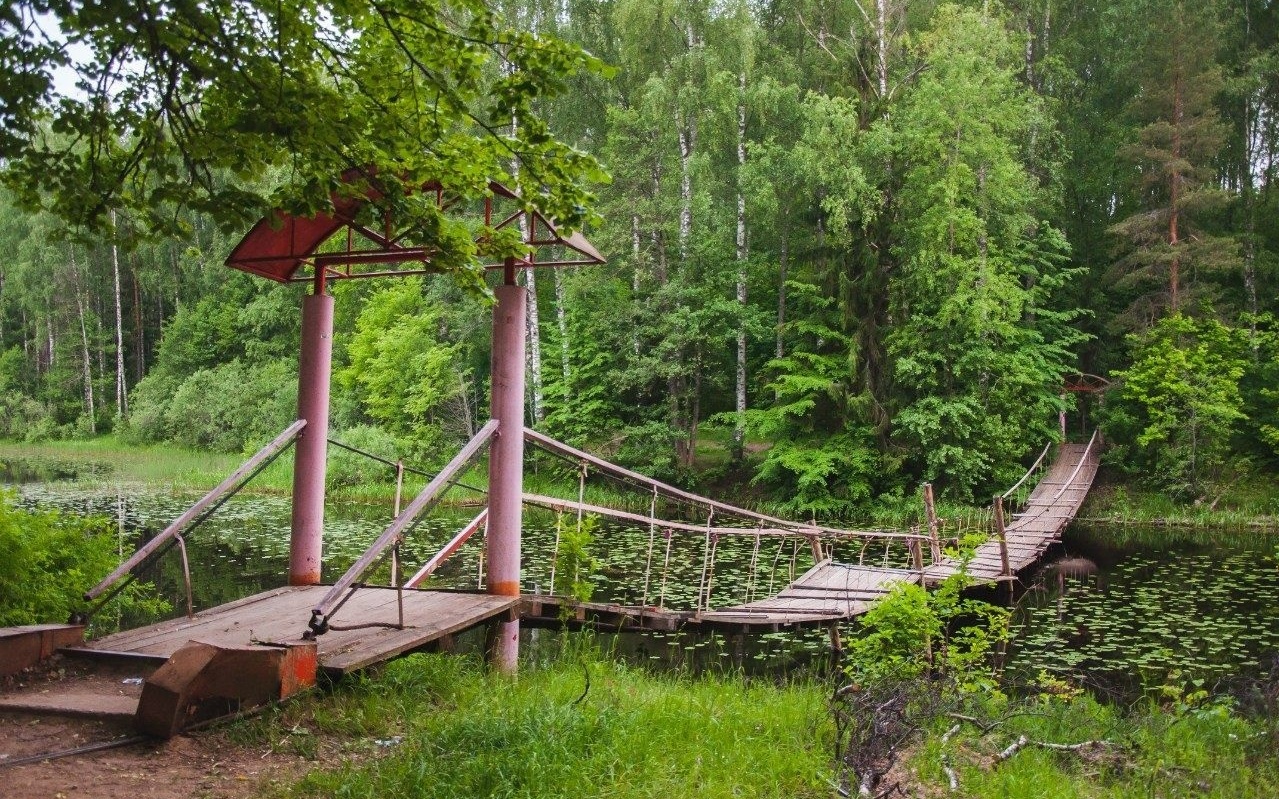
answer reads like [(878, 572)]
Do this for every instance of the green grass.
[(467, 732), (1248, 503), (107, 459), (1208, 751), (457, 730)]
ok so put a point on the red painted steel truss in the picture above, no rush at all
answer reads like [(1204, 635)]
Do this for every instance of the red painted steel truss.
[(288, 248)]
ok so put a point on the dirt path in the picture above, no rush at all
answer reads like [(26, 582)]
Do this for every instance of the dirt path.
[(228, 761), (202, 764)]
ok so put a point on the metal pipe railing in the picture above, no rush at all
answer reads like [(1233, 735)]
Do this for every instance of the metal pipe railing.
[(471, 528), (333, 599), (219, 494)]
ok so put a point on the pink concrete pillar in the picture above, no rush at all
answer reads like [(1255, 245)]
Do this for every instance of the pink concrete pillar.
[(314, 369), (506, 466)]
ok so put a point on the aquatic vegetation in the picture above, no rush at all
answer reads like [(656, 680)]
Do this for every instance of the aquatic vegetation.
[(1172, 618)]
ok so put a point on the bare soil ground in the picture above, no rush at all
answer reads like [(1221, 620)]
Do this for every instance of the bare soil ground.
[(202, 764), (219, 762)]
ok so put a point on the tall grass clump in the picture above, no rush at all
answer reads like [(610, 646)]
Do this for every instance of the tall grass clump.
[(466, 732)]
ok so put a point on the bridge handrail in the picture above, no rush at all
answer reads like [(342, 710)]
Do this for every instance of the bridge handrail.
[(400, 525), (219, 494), (1029, 471), (799, 528), (463, 535), (1082, 459)]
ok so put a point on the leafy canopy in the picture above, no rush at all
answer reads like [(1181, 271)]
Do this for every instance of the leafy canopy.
[(235, 107)]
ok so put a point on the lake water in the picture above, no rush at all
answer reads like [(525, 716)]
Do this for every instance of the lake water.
[(1162, 606)]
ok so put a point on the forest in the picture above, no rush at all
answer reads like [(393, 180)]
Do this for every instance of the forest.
[(853, 244)]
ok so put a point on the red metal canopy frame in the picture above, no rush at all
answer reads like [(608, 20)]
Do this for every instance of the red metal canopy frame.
[(1084, 383), (281, 245)]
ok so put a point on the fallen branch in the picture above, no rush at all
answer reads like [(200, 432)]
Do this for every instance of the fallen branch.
[(1071, 747), (984, 726), (1022, 742), (946, 765), (1012, 749)]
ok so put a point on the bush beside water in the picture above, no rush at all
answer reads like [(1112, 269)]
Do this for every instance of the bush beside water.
[(50, 559)]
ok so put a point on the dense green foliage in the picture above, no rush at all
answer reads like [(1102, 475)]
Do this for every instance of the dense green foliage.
[(853, 245), (50, 560)]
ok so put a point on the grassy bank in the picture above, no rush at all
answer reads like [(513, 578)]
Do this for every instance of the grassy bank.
[(1175, 751), (442, 726), (107, 460), (1248, 502), (448, 728)]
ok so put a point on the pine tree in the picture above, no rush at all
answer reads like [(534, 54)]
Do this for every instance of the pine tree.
[(1172, 158)]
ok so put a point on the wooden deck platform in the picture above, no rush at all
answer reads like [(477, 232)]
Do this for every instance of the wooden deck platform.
[(281, 615)]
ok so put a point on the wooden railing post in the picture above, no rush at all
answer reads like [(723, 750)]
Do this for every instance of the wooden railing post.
[(916, 553), (1002, 532), (930, 509)]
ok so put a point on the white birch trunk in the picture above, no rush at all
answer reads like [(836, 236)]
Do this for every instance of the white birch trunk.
[(739, 427), (881, 38), (140, 348), (687, 136), (635, 276), (532, 324), (121, 395), (48, 331), (84, 347), (561, 320), (534, 352)]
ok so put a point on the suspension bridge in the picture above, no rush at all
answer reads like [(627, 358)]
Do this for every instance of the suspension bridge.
[(275, 643)]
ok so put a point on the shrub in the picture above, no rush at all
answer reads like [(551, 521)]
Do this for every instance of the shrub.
[(347, 468), (49, 559)]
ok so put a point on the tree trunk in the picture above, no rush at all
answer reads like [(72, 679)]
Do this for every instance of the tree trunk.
[(139, 331), (782, 268), (1174, 269), (695, 405), (1250, 200), (881, 39), (635, 276), (561, 320), (534, 351), (121, 395), (53, 349), (739, 427), (687, 141), (84, 347)]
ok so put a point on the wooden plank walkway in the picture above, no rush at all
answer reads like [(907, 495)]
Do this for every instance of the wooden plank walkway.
[(826, 592), (831, 592), (837, 591), (281, 615), (1049, 509)]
